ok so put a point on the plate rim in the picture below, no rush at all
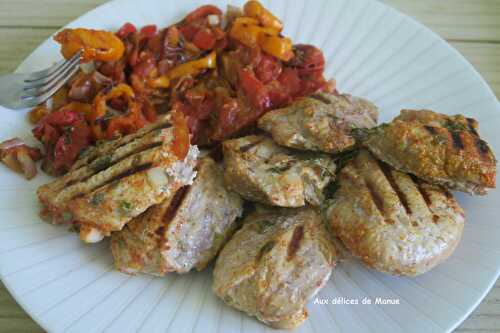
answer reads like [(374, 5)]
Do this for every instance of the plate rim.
[(427, 30)]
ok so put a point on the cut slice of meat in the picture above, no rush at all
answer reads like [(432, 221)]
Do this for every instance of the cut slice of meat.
[(118, 181), (320, 122), (394, 222), (260, 170), (437, 148), (185, 231), (275, 264)]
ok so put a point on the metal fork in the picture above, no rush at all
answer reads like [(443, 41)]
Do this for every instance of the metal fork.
[(18, 91)]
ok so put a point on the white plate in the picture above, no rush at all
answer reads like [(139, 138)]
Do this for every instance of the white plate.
[(372, 51)]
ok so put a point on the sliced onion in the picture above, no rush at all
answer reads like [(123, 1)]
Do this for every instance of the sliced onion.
[(213, 20)]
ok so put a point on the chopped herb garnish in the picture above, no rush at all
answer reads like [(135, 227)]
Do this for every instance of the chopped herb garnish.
[(263, 225), (344, 158), (282, 167), (126, 206), (101, 163), (67, 216), (455, 126), (85, 152), (266, 249), (97, 199), (330, 189)]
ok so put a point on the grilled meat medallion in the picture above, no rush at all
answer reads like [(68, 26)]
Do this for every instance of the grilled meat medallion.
[(320, 122), (440, 149), (274, 264), (184, 232), (117, 181), (260, 170), (394, 222)]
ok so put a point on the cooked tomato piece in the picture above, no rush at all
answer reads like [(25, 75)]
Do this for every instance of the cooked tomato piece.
[(148, 31), (64, 134), (268, 69), (204, 39), (254, 90), (126, 30), (290, 81), (307, 59)]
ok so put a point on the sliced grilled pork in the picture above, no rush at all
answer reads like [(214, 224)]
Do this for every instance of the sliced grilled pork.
[(184, 232), (321, 122), (260, 170), (118, 181), (394, 222), (440, 149), (274, 264)]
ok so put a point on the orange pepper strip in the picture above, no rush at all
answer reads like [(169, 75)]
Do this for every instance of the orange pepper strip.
[(96, 44), (180, 144), (124, 125), (280, 47), (246, 31), (188, 68), (266, 18)]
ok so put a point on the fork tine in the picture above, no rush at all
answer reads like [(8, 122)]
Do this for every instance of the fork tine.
[(42, 87), (33, 100), (31, 89), (44, 75)]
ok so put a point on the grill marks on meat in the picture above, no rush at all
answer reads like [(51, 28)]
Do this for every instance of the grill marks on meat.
[(321, 122), (175, 203), (423, 193), (183, 232), (377, 200), (472, 125), (108, 147), (271, 272), (430, 129), (402, 197), (440, 149), (260, 170), (457, 140), (393, 222), (114, 182), (250, 145), (293, 247)]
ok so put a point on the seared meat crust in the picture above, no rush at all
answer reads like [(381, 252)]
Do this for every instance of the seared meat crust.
[(321, 122), (440, 149), (394, 222), (185, 231), (260, 170), (274, 264), (127, 176)]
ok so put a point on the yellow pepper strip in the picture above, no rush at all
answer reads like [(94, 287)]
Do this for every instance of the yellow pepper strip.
[(245, 20), (246, 32), (188, 68), (280, 47), (266, 18)]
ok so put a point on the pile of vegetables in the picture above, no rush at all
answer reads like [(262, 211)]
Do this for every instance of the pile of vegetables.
[(220, 73)]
